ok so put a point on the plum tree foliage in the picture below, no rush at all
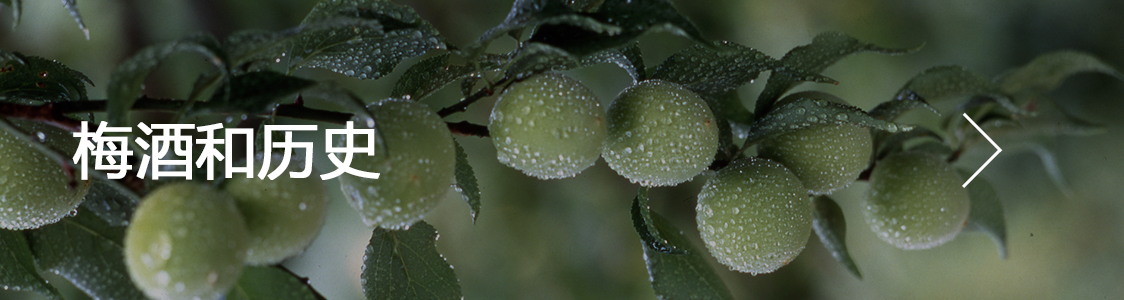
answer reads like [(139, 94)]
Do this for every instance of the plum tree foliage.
[(683, 119)]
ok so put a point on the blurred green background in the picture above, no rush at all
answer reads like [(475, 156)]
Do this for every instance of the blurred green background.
[(573, 239)]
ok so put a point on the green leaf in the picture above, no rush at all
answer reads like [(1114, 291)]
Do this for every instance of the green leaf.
[(404, 264), (17, 266), (16, 10), (612, 24), (948, 82), (805, 109), (431, 74), (826, 49), (886, 143), (72, 7), (89, 253), (715, 69), (642, 221), (831, 227), (112, 206), (268, 283), (891, 110), (364, 39), (126, 84), (986, 213), (254, 93), (627, 57), (530, 13), (536, 58), (36, 78), (466, 182), (1047, 71), (338, 95), (686, 275)]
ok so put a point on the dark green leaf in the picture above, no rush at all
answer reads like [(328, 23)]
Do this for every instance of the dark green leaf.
[(886, 143), (89, 253), (584, 5), (891, 110), (728, 105), (831, 227), (535, 58), (350, 102), (685, 275), (36, 78), (16, 6), (254, 93), (805, 109), (114, 207), (530, 13), (986, 212), (364, 39), (72, 7), (1047, 71), (627, 57), (404, 264), (948, 82), (826, 49), (642, 220), (127, 82), (466, 182), (269, 283), (612, 24), (17, 266), (715, 69), (431, 74)]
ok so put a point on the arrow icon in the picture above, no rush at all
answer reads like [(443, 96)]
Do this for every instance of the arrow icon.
[(997, 150)]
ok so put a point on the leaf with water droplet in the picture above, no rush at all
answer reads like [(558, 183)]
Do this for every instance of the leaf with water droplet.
[(536, 58), (112, 206), (886, 143), (350, 102), (1047, 71), (253, 93), (72, 7), (831, 227), (891, 110), (431, 74), (627, 57), (126, 84), (88, 252), (466, 182), (642, 221), (17, 8), (404, 264), (17, 266), (36, 78), (826, 49), (986, 213), (948, 82), (806, 109), (714, 68), (683, 275), (614, 23), (267, 283)]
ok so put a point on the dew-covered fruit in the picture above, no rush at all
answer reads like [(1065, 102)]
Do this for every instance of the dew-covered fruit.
[(754, 215), (283, 215), (186, 241), (915, 201), (825, 157), (416, 167), (660, 134), (34, 190), (548, 126)]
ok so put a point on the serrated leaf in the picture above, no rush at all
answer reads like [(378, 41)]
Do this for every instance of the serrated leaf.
[(627, 57), (891, 110), (986, 213), (17, 266), (616, 22), (466, 182), (434, 73), (36, 78), (831, 227), (72, 7), (642, 221), (269, 283), (126, 84), (1047, 71), (404, 264), (685, 275), (364, 39), (112, 206), (88, 252), (536, 58), (254, 93), (826, 49), (948, 82), (16, 6), (714, 69), (805, 109)]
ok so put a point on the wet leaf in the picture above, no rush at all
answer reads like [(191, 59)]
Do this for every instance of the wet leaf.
[(831, 227), (431, 74), (404, 264), (36, 78), (826, 49), (627, 57), (268, 283), (72, 7), (536, 58), (685, 275), (255, 93), (716, 69), (126, 84), (729, 107), (342, 97), (806, 109), (466, 182), (891, 110), (530, 13), (948, 82), (987, 212), (16, 6), (112, 206), (1047, 71), (17, 266), (642, 221), (88, 252), (612, 24), (886, 143)]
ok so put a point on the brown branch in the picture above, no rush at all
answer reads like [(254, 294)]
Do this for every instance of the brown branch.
[(464, 128)]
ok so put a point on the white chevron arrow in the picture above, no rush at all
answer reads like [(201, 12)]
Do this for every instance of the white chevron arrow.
[(997, 150)]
